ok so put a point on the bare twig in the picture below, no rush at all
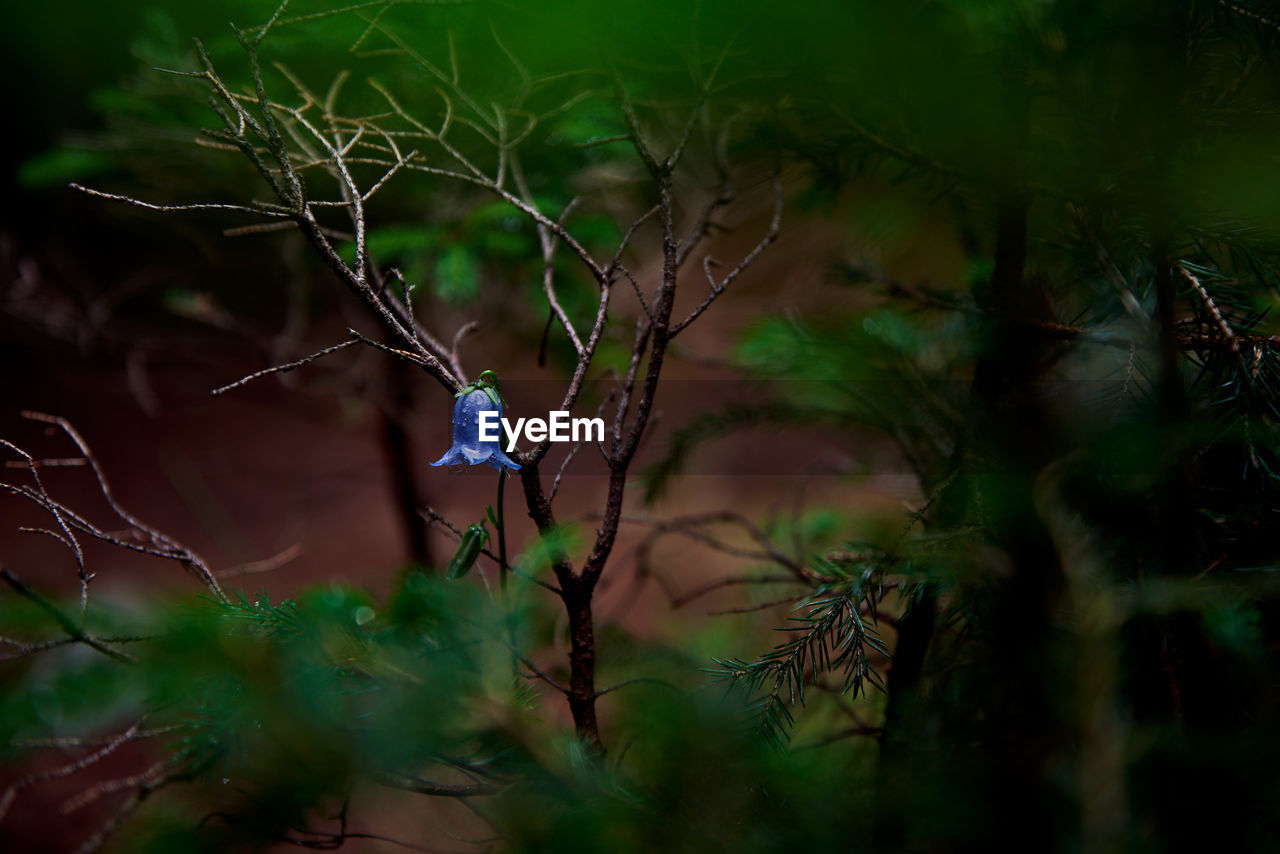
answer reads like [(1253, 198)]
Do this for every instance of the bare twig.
[(156, 542), (266, 565), (639, 680), (108, 787), (259, 209), (285, 368), (732, 581), (719, 287), (69, 540), (143, 785), (688, 526), (109, 747), (573, 452), (1227, 332), (548, 240), (411, 783), (73, 630), (64, 742), (761, 606)]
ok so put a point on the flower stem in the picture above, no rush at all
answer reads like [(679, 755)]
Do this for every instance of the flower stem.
[(502, 532)]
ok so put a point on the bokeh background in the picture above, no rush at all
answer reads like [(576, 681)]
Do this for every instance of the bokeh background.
[(123, 320), (1012, 351)]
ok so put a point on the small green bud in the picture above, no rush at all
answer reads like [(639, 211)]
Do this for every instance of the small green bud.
[(473, 540)]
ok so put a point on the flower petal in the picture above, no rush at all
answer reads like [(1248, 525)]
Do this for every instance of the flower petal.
[(451, 458), (499, 460)]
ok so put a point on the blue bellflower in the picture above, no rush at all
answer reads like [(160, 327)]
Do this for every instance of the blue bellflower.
[(467, 447)]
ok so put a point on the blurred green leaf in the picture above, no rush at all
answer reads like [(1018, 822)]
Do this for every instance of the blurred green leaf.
[(62, 166), (457, 276)]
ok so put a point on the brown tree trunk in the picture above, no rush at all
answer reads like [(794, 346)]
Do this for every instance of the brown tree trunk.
[(582, 659), (401, 466)]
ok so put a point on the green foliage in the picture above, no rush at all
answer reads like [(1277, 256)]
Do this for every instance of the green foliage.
[(832, 636), (279, 709), (692, 779), (543, 550), (288, 705), (70, 691), (60, 166), (457, 278)]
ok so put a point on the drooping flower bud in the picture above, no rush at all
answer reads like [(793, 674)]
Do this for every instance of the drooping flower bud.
[(467, 446)]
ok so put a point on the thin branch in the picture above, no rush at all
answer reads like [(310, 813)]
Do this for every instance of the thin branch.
[(732, 581), (548, 240), (616, 264), (639, 680), (70, 539), (762, 606), (64, 462), (270, 564), (63, 742), (1227, 332), (111, 745), (189, 561), (533, 669), (257, 210), (108, 787), (463, 331), (608, 140), (686, 526), (718, 287), (573, 452), (144, 784), (285, 368), (1254, 16), (69, 626), (377, 345), (164, 545), (702, 225), (406, 312), (410, 783)]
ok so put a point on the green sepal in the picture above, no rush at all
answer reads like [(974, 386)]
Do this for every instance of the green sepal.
[(488, 382)]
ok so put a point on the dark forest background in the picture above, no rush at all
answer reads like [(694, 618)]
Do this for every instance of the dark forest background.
[(950, 525)]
